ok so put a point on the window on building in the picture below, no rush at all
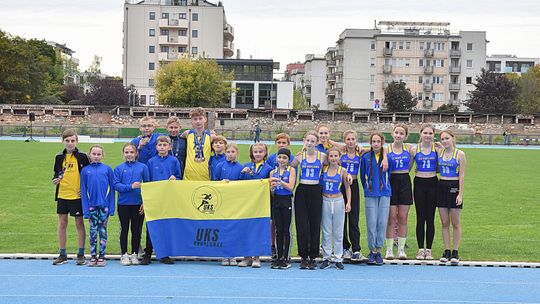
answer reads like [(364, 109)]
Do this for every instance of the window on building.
[(438, 79), (244, 95), (371, 95), (421, 63), (142, 101), (439, 46), (422, 45), (152, 16), (372, 45), (372, 78), (437, 96), (408, 45), (468, 80), (182, 49), (194, 33), (151, 66), (469, 63), (195, 16), (194, 50), (400, 45), (151, 83), (469, 46), (152, 99), (164, 15), (420, 95), (372, 62), (164, 49), (182, 16), (164, 32), (439, 63), (151, 49), (182, 33), (266, 95), (152, 32), (420, 79), (393, 44)]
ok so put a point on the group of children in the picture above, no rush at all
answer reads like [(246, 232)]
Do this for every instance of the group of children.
[(325, 190)]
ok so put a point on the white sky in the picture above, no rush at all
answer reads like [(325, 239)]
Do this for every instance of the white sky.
[(284, 30)]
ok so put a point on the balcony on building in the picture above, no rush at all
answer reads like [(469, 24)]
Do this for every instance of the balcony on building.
[(330, 91), (228, 49), (228, 32), (454, 86), (339, 70), (387, 52), (387, 69), (173, 23), (339, 54), (179, 40), (455, 53), (428, 87), (331, 77), (455, 102), (339, 85), (427, 103), (330, 63), (307, 95), (455, 69), (307, 82), (338, 99), (428, 52), (428, 69)]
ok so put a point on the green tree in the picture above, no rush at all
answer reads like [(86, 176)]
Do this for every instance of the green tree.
[(398, 97), (494, 93), (528, 98), (193, 83), (342, 107), (106, 92), (299, 101), (448, 108)]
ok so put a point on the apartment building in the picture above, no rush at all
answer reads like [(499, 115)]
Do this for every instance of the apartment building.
[(510, 64), (70, 64), (295, 72), (157, 32), (314, 85), (438, 66)]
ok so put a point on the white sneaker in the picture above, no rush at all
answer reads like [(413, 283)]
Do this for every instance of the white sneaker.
[(134, 259), (389, 254), (347, 254), (125, 259), (428, 255), (256, 263), (357, 257), (232, 262), (245, 262), (402, 255), (225, 262), (421, 255)]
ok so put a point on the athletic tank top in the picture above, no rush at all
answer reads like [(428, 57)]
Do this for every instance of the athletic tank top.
[(331, 184), (311, 171), (200, 149), (398, 162), (426, 163), (280, 190), (351, 164), (449, 168)]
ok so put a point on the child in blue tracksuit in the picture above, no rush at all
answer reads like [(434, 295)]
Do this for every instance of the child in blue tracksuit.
[(97, 196), (146, 142), (218, 148), (178, 143), (256, 169), (377, 193), (230, 170), (128, 177), (161, 167)]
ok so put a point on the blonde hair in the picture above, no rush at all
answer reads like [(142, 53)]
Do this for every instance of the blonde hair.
[(425, 126), (311, 132), (163, 138), (68, 133), (265, 148), (283, 136), (97, 146), (130, 144), (150, 119), (173, 119), (322, 126), (404, 127), (333, 148), (197, 112), (451, 133), (351, 131)]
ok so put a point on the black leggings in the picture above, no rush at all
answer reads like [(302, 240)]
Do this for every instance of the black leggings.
[(307, 214), (282, 216), (425, 196), (129, 214), (351, 236)]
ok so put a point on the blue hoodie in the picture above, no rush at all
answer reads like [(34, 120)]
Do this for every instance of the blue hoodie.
[(161, 168), (124, 176), (97, 188), (376, 177), (147, 151), (215, 160), (229, 170), (262, 172)]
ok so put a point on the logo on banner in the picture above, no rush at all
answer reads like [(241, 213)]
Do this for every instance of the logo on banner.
[(207, 237), (206, 199)]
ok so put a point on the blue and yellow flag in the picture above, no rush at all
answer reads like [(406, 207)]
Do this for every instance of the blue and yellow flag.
[(210, 219)]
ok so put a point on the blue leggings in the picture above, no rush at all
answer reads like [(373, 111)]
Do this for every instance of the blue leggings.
[(99, 217)]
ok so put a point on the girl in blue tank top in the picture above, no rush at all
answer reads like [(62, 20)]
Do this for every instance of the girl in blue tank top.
[(400, 162), (282, 182), (333, 209), (452, 163)]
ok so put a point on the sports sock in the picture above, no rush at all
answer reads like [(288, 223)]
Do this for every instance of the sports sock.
[(81, 251), (62, 251), (401, 243), (389, 245)]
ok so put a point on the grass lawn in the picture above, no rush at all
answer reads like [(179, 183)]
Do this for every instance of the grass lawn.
[(500, 220)]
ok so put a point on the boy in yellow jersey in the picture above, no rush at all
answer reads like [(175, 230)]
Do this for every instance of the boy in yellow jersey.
[(67, 167), (199, 147)]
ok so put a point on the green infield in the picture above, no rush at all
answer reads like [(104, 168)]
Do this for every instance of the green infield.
[(500, 220)]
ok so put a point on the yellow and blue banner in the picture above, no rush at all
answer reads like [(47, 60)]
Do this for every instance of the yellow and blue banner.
[(209, 219)]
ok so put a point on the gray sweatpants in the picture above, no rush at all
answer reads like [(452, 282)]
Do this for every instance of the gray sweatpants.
[(333, 219)]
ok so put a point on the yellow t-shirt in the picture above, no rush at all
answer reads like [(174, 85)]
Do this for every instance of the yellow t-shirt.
[(70, 185), (197, 171)]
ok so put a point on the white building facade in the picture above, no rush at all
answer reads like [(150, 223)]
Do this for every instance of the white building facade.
[(315, 81)]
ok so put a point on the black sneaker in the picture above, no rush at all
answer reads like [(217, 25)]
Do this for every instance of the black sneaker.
[(275, 264), (284, 264), (340, 266), (61, 259), (274, 252), (325, 264), (446, 256), (146, 260), (166, 260), (80, 259), (312, 264), (304, 264), (455, 257)]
